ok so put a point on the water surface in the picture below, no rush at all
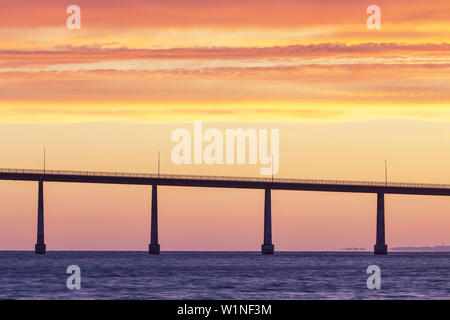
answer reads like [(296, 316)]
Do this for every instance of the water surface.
[(224, 275)]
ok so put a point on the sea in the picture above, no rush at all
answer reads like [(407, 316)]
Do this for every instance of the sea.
[(222, 275)]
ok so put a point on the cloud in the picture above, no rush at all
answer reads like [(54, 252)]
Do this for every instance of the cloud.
[(97, 53)]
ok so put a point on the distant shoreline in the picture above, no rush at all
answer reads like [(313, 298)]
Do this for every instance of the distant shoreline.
[(409, 249), (423, 249)]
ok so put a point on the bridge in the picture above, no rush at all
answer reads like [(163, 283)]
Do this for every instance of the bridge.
[(267, 184)]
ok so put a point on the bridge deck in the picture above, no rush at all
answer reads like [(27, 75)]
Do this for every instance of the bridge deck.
[(224, 181)]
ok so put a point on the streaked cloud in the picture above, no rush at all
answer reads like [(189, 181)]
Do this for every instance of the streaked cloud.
[(324, 53)]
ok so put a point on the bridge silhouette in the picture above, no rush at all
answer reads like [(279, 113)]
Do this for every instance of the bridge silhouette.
[(267, 184)]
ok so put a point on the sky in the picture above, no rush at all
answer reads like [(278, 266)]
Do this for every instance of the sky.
[(108, 96)]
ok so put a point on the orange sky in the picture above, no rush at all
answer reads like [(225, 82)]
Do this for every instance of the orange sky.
[(108, 96)]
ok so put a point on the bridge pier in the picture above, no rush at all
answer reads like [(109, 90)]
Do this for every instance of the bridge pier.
[(267, 247), (153, 247), (40, 247), (380, 247)]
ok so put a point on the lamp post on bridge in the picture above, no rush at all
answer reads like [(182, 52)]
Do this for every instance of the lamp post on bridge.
[(385, 172)]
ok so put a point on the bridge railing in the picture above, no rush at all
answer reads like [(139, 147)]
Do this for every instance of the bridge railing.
[(225, 178)]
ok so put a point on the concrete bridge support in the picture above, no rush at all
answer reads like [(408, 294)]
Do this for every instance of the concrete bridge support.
[(40, 247), (153, 247), (380, 247), (267, 247)]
